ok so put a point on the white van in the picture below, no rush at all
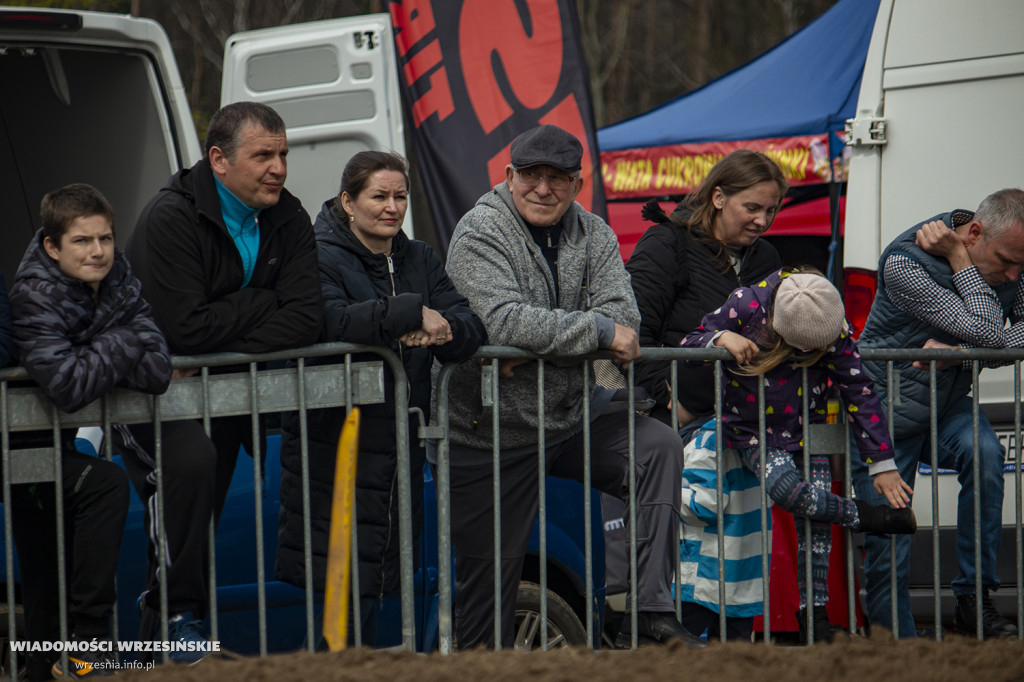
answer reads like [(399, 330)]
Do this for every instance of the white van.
[(335, 84), (937, 128), (97, 98)]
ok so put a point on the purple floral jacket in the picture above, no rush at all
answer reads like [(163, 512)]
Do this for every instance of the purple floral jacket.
[(746, 313)]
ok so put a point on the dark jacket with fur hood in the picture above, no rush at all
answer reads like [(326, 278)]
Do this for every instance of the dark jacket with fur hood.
[(677, 279)]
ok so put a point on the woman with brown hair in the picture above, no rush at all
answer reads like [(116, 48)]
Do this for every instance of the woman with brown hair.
[(690, 261)]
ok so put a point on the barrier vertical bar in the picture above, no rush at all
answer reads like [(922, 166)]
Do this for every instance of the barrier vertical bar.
[(307, 533), (588, 530), (631, 433), (444, 546), (893, 593), (1018, 497), (5, 444), (633, 607), (356, 603), (58, 496), (806, 530), (404, 503), (933, 426), (161, 530), (851, 592), (108, 454), (212, 528), (976, 468), (720, 530), (496, 483), (674, 420), (257, 478), (542, 510), (762, 447)]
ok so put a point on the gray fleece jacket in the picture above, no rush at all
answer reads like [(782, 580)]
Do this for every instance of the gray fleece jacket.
[(496, 264)]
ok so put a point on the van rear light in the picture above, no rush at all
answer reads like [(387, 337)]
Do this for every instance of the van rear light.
[(39, 21), (859, 291)]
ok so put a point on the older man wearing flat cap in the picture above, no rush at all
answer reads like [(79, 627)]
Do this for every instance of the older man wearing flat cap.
[(545, 275)]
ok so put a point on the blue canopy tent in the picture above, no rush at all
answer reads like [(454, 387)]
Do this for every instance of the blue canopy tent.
[(790, 102)]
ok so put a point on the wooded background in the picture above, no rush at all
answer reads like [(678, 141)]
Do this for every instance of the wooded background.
[(640, 53)]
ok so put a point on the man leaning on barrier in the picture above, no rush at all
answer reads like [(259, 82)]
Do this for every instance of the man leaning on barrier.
[(950, 281), (227, 260), (545, 275), (82, 328)]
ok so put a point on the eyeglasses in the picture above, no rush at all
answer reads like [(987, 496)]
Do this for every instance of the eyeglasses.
[(531, 178)]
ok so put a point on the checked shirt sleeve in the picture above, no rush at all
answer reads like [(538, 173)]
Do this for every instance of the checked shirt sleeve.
[(972, 313)]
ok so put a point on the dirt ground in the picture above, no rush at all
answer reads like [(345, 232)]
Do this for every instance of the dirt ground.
[(955, 659)]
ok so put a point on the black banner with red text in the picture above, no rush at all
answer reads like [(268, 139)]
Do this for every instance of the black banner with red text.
[(475, 74)]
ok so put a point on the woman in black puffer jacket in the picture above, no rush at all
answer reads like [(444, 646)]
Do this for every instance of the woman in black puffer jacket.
[(687, 264), (379, 288)]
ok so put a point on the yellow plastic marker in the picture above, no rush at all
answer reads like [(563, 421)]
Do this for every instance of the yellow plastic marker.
[(339, 547)]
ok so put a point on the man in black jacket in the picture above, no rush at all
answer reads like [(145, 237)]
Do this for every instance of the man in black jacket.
[(227, 260)]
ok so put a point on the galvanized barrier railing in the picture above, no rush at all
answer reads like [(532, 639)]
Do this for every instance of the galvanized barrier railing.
[(302, 388), (820, 439), (976, 358), (208, 396), (489, 393)]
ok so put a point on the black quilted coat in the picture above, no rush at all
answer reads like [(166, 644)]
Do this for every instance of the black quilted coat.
[(77, 348), (366, 303)]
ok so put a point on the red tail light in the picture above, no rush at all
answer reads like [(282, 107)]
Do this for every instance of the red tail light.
[(859, 292), (39, 21)]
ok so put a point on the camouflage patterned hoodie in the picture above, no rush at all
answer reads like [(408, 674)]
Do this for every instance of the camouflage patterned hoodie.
[(77, 348)]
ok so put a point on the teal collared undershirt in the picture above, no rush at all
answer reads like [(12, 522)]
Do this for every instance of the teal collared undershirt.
[(243, 226)]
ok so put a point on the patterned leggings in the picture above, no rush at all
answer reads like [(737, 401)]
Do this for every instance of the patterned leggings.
[(812, 500)]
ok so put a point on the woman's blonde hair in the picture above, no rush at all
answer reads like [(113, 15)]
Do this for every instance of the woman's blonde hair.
[(774, 350)]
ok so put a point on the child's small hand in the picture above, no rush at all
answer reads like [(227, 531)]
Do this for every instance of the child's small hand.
[(741, 348), (895, 490)]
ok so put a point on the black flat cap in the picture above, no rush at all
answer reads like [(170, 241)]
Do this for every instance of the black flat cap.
[(549, 145)]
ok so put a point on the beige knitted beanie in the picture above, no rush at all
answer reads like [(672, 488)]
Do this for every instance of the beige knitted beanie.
[(808, 312)]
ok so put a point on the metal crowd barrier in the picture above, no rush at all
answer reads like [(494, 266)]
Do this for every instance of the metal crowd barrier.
[(207, 396), (977, 358), (344, 383), (821, 439)]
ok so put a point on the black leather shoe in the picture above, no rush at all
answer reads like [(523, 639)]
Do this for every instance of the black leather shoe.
[(656, 628), (823, 631), (885, 520), (993, 623)]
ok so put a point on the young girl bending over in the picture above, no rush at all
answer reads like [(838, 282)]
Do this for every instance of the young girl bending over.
[(773, 330)]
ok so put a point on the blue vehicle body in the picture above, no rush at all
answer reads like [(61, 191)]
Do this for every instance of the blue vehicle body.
[(236, 565)]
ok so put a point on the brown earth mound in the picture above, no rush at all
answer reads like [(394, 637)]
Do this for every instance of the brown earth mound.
[(879, 659)]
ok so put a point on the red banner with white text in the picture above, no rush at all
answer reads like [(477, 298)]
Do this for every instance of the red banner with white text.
[(475, 74), (680, 168)]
